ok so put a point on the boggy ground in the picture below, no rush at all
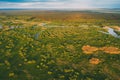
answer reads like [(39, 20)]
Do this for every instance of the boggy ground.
[(70, 47)]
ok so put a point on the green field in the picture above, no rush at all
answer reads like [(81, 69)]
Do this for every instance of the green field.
[(59, 45)]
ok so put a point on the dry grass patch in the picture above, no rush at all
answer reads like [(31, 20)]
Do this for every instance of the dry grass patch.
[(94, 61), (110, 50), (106, 27), (89, 49), (116, 27)]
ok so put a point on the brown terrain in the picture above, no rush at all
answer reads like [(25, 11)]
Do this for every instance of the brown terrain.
[(110, 50)]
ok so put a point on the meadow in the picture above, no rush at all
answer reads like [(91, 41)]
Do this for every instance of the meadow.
[(58, 45)]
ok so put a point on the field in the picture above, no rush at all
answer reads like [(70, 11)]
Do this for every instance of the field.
[(59, 45)]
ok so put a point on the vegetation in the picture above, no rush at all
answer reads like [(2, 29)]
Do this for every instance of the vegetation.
[(52, 46)]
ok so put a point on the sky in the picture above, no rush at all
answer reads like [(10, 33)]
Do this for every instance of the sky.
[(61, 4)]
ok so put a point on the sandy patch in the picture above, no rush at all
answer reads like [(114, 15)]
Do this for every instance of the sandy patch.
[(89, 49), (94, 61), (110, 50), (106, 27), (116, 28)]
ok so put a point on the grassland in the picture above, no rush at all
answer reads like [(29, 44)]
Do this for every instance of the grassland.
[(58, 45)]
